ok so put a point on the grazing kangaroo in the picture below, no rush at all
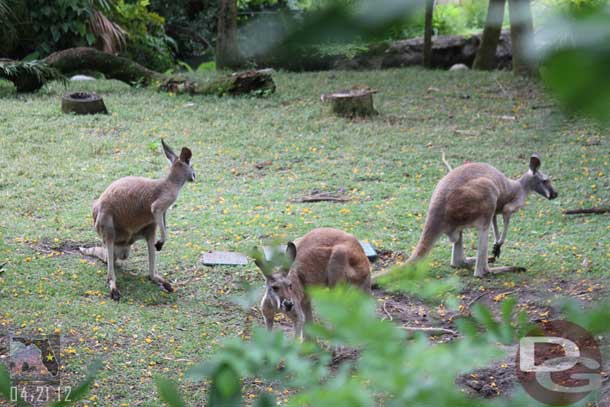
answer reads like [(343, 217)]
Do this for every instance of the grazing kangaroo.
[(323, 257), (471, 196), (131, 209)]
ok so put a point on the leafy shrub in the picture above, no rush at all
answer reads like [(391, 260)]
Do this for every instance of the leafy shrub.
[(449, 19), (571, 7), (147, 42), (58, 25), (475, 12)]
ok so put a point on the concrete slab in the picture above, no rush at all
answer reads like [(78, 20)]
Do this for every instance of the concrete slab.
[(224, 258)]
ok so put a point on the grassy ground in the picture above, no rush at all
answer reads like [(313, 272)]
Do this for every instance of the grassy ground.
[(54, 165)]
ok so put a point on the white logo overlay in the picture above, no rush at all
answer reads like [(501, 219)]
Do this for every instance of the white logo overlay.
[(527, 352), (559, 363)]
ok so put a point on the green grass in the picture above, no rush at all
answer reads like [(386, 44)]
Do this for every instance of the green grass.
[(55, 165)]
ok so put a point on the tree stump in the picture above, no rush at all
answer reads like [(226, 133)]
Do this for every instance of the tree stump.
[(83, 103), (356, 102)]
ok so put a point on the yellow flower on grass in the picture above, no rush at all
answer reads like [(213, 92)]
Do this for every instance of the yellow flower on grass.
[(148, 340), (344, 211)]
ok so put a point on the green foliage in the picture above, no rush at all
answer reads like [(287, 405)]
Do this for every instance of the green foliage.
[(475, 12), (168, 392), (575, 62), (59, 24), (43, 72), (391, 365), (416, 280), (148, 44), (449, 19), (570, 7)]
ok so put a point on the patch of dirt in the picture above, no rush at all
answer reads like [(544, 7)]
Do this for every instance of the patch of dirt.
[(496, 380), (57, 248)]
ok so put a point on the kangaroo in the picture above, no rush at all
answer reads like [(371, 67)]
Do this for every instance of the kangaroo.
[(132, 208), (323, 257), (471, 196)]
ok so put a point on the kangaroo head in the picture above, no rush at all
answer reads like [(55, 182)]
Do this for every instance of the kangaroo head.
[(279, 285), (180, 165), (537, 181)]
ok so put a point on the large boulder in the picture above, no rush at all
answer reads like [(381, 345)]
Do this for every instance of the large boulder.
[(446, 52)]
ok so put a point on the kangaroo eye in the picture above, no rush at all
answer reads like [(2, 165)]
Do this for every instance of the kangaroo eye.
[(290, 286), (275, 288)]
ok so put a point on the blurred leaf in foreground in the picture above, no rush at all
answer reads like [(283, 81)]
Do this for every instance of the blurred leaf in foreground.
[(575, 56)]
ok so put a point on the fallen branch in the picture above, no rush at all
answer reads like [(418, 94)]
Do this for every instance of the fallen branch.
[(386, 311), (475, 299), (586, 210), (445, 161), (431, 330)]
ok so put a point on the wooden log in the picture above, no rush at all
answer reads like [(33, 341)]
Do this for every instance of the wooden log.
[(586, 210), (258, 83), (356, 102)]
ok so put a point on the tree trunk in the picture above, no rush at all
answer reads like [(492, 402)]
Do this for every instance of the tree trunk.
[(521, 32), (428, 34), (486, 54), (88, 59), (227, 54)]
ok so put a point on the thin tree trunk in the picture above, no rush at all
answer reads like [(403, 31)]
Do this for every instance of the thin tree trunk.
[(227, 54), (486, 54), (428, 34), (521, 32)]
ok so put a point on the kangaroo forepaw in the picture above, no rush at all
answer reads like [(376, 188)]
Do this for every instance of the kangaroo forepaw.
[(497, 250), (159, 245), (167, 287), (115, 294)]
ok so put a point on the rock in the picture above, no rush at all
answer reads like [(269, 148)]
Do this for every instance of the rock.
[(459, 67), (446, 52), (82, 78)]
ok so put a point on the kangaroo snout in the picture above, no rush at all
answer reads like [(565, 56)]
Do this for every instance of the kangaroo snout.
[(287, 305), (553, 194)]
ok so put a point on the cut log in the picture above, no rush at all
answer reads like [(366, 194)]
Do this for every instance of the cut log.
[(356, 102), (83, 103)]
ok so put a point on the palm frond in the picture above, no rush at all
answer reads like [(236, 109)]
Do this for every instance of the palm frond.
[(11, 70), (111, 38)]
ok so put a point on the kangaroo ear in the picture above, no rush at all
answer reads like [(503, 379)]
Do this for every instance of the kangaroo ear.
[(535, 162), (291, 251), (185, 155), (171, 156), (259, 259)]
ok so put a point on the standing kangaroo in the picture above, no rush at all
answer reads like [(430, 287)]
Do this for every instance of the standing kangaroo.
[(323, 257), (131, 208), (471, 196)]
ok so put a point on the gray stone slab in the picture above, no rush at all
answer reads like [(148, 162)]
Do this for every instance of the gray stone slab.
[(368, 250), (224, 258)]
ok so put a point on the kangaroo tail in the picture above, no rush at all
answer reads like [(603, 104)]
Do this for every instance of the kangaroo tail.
[(426, 241), (424, 245)]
